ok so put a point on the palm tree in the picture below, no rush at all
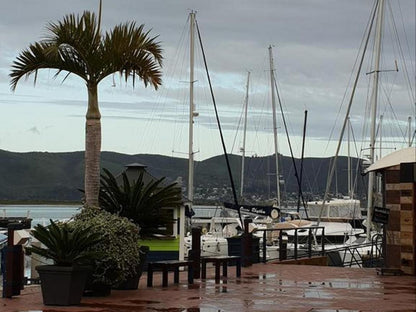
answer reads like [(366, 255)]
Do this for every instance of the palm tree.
[(76, 46)]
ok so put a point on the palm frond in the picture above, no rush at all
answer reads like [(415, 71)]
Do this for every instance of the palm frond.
[(75, 45), (133, 53), (43, 55)]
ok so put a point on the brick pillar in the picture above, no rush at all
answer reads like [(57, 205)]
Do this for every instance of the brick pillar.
[(408, 218), (392, 229)]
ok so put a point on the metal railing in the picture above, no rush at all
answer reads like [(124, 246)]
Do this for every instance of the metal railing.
[(298, 250), (312, 244), (368, 254)]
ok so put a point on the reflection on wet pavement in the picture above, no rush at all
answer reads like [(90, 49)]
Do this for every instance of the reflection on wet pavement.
[(331, 310), (285, 294), (263, 288)]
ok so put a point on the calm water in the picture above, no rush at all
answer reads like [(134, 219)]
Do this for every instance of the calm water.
[(40, 213)]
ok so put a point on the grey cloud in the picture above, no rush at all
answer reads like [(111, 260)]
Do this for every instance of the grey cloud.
[(315, 46)]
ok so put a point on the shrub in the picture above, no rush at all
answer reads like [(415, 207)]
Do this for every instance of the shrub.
[(119, 245)]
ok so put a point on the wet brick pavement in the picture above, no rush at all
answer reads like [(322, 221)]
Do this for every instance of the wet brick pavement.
[(262, 287)]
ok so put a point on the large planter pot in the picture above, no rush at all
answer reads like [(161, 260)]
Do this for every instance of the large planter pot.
[(62, 285), (236, 248)]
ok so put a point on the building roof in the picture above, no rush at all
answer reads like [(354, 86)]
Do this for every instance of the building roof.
[(405, 155), (135, 165)]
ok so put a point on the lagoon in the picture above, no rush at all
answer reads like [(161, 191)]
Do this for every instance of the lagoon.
[(40, 214)]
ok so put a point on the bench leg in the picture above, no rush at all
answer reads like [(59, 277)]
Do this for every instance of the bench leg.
[(204, 269), (224, 269), (190, 274), (217, 272), (176, 275), (165, 277), (149, 275), (238, 267)]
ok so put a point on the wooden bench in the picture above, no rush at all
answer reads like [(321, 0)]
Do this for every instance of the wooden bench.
[(165, 267), (217, 261)]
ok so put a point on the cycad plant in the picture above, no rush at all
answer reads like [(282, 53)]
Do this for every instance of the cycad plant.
[(138, 201), (65, 245)]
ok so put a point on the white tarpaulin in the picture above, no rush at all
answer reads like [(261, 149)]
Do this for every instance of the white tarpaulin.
[(337, 208), (406, 155)]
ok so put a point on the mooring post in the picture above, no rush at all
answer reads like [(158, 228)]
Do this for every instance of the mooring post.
[(247, 244), (196, 251), (14, 275)]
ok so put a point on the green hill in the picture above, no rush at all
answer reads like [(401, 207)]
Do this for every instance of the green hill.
[(43, 176)]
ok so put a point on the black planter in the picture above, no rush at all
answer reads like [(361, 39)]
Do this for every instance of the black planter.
[(62, 285), (236, 248)]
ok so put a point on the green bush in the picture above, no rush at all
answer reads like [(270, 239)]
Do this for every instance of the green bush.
[(119, 245)]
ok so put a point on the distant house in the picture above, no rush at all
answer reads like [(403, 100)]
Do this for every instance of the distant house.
[(398, 171), (170, 245)]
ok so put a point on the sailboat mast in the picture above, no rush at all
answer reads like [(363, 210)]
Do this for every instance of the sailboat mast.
[(243, 149), (380, 131), (374, 97), (272, 80), (349, 160), (191, 109)]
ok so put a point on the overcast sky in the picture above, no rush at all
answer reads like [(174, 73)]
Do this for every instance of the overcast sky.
[(315, 46)]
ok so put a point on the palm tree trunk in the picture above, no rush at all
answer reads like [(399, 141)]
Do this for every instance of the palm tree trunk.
[(92, 148)]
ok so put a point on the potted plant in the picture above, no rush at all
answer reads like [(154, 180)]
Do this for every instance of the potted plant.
[(119, 249), (70, 249)]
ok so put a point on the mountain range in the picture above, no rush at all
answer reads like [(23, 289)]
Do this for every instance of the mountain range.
[(58, 177)]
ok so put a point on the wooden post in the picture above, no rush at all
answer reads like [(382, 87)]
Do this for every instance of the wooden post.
[(247, 244), (282, 247), (13, 279), (196, 251)]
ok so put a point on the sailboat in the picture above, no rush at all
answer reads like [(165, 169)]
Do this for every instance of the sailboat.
[(266, 217), (339, 209), (271, 211), (370, 243), (213, 240), (275, 137)]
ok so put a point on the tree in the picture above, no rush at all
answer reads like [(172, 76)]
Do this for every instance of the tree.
[(76, 45), (138, 201)]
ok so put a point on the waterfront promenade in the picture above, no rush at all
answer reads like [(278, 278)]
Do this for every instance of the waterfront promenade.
[(262, 287)]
